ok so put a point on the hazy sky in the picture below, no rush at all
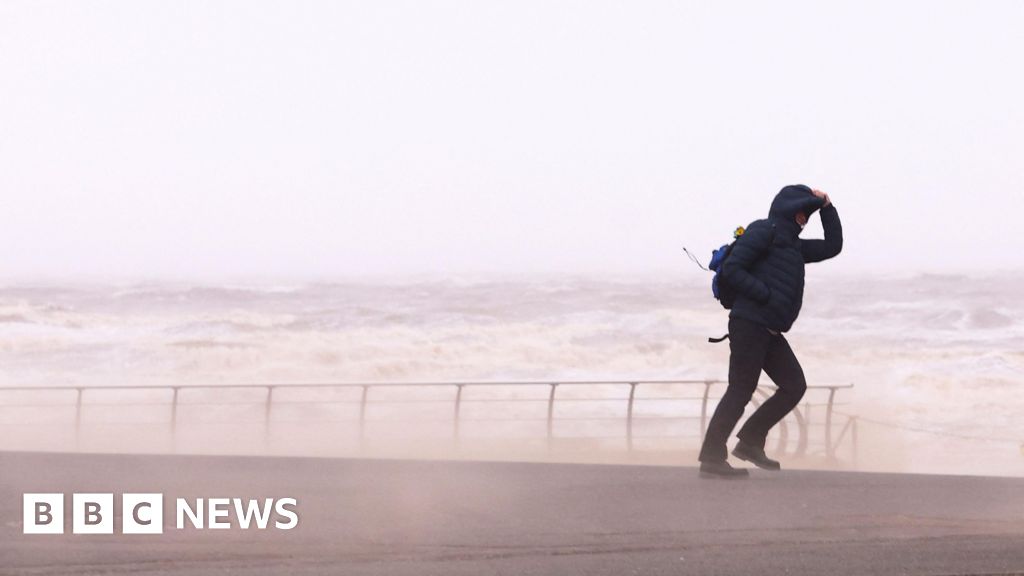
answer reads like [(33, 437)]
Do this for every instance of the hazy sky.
[(322, 139)]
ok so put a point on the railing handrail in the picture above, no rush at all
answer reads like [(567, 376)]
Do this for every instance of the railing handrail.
[(264, 385)]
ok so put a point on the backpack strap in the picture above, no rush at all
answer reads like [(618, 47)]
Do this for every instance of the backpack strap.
[(717, 340)]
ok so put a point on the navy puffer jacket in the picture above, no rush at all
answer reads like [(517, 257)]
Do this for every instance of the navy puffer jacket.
[(766, 266)]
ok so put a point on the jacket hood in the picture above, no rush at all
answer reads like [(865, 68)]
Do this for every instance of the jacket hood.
[(793, 199)]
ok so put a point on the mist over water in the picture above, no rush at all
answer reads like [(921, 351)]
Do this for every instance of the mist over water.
[(936, 360)]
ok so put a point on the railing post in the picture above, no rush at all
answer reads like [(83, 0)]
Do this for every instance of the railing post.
[(704, 409), (629, 416), (78, 420), (362, 414), (458, 405), (854, 438), (829, 449), (551, 413), (174, 419), (266, 417), (805, 429)]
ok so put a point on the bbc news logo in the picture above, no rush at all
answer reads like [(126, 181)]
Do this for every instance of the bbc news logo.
[(144, 513)]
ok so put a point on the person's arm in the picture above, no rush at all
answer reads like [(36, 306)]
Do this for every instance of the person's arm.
[(818, 250), (753, 244)]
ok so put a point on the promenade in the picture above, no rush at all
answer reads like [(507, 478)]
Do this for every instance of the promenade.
[(397, 517)]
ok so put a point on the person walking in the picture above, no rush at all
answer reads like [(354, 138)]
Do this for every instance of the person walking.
[(766, 270)]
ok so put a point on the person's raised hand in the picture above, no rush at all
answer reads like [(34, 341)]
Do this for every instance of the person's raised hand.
[(823, 196)]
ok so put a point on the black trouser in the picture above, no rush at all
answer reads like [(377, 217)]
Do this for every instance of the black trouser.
[(752, 347)]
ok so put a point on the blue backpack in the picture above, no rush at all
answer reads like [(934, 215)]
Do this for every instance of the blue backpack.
[(724, 293)]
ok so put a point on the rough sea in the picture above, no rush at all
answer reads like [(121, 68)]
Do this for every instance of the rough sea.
[(937, 361)]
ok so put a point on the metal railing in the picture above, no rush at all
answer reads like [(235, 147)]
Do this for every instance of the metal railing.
[(801, 415)]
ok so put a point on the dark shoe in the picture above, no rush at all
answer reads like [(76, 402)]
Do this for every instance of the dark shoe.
[(755, 456), (721, 470)]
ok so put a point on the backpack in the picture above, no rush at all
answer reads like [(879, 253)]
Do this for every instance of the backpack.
[(723, 292)]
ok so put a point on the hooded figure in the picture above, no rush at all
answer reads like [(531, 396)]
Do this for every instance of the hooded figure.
[(766, 270), (766, 266)]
